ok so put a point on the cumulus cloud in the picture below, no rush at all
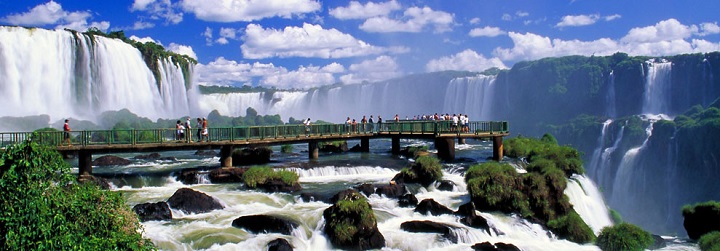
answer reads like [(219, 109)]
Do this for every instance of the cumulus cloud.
[(579, 20), (247, 10), (208, 34), (227, 72), (475, 20), (518, 14), (226, 34), (709, 29), (667, 37), (143, 39), (140, 25), (356, 10), (52, 13), (159, 10), (612, 17), (182, 49), (467, 60), (306, 41), (414, 19), (486, 31), (378, 69)]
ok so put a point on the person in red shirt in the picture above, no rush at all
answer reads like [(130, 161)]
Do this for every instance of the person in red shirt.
[(66, 132)]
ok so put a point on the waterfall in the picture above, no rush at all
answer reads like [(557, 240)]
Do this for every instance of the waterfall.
[(471, 95), (657, 88), (68, 74), (621, 197), (588, 202), (595, 160), (610, 101)]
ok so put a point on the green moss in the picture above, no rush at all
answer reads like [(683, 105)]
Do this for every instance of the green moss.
[(710, 241), (616, 217), (261, 174), (690, 209), (286, 149), (349, 219), (624, 236), (573, 228), (428, 167), (496, 186), (566, 158)]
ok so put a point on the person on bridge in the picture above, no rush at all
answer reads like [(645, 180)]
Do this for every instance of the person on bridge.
[(66, 132), (380, 123), (189, 130), (363, 121), (199, 129), (307, 127), (372, 124), (205, 130), (348, 123), (180, 131)]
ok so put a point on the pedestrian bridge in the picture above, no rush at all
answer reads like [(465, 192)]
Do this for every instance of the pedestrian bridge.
[(85, 143)]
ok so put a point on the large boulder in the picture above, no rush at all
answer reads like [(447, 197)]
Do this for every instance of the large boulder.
[(263, 224), (351, 224), (206, 153), (150, 156), (251, 156), (280, 186), (153, 211), (500, 246), (227, 175), (424, 171), (470, 217), (333, 147), (102, 183), (407, 200), (191, 201), (446, 185), (279, 244), (366, 189), (391, 190), (701, 218), (444, 230), (111, 160), (189, 176), (432, 207)]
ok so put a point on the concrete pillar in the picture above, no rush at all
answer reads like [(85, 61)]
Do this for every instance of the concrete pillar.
[(84, 163), (226, 156), (445, 148), (365, 144), (497, 148), (461, 141), (395, 145), (313, 149)]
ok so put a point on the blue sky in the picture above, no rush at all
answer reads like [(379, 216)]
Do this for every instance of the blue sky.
[(310, 43)]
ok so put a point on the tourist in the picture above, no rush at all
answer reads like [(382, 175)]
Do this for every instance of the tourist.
[(307, 127), (180, 131), (397, 118), (205, 130), (354, 126), (363, 121), (66, 132), (461, 119), (380, 128), (189, 130), (454, 122), (372, 124), (199, 129), (348, 123), (467, 123)]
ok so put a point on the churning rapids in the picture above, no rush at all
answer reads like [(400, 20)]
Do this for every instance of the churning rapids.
[(154, 181)]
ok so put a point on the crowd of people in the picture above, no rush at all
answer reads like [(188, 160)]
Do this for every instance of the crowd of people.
[(202, 130), (460, 122)]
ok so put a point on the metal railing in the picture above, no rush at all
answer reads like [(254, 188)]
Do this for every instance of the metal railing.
[(247, 133)]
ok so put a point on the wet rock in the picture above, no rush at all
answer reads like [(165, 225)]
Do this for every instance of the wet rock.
[(227, 175), (500, 246), (102, 183), (153, 211), (703, 218), (470, 217), (407, 200), (191, 201), (263, 224), (355, 149), (359, 216), (333, 147), (110, 160), (251, 156), (366, 189), (391, 190), (308, 197), (446, 185), (279, 244), (658, 242), (484, 246), (430, 227), (206, 153), (432, 207), (279, 186), (152, 156), (189, 176)]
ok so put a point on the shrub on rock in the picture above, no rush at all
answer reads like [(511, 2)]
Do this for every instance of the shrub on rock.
[(271, 179), (624, 236), (191, 201), (424, 171), (350, 223), (701, 218), (710, 241), (573, 228)]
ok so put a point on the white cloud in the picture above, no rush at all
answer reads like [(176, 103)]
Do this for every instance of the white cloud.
[(507, 17), (226, 72), (709, 29), (667, 37), (518, 14), (467, 60), (182, 49), (475, 20), (378, 69), (159, 10), (486, 31), (356, 10), (208, 34), (52, 13), (612, 17), (143, 39), (247, 10), (579, 20), (414, 19), (306, 41), (139, 25), (521, 14)]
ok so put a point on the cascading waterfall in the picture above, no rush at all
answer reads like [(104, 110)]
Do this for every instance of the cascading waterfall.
[(596, 159), (588, 202), (68, 74), (620, 198), (611, 103), (657, 87), (471, 95)]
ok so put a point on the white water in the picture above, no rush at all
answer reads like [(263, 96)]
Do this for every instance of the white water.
[(588, 202), (624, 177), (610, 100), (657, 87), (55, 73), (596, 157), (473, 96)]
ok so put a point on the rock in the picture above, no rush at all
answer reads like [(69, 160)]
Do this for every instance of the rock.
[(189, 176), (168, 159), (434, 208), (279, 244), (100, 182), (430, 227), (151, 156), (206, 153), (658, 242), (356, 148), (407, 200), (110, 160), (153, 211), (308, 197), (333, 147), (703, 218), (391, 190), (251, 156), (279, 186), (500, 246), (366, 189), (470, 217), (227, 175), (191, 201), (263, 224), (506, 247), (485, 246), (356, 213), (446, 185)]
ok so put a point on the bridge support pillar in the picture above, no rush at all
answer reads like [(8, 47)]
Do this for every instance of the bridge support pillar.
[(313, 149), (226, 156), (395, 145), (365, 144), (497, 148), (461, 141), (84, 163), (445, 148)]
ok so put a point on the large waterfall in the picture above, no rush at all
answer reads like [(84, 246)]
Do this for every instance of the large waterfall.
[(69, 74), (657, 88)]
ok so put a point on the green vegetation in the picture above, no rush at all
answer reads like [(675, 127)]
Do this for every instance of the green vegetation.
[(42, 207), (537, 195), (259, 175), (349, 220), (624, 236), (425, 171), (710, 241), (212, 89), (616, 217), (286, 148)]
